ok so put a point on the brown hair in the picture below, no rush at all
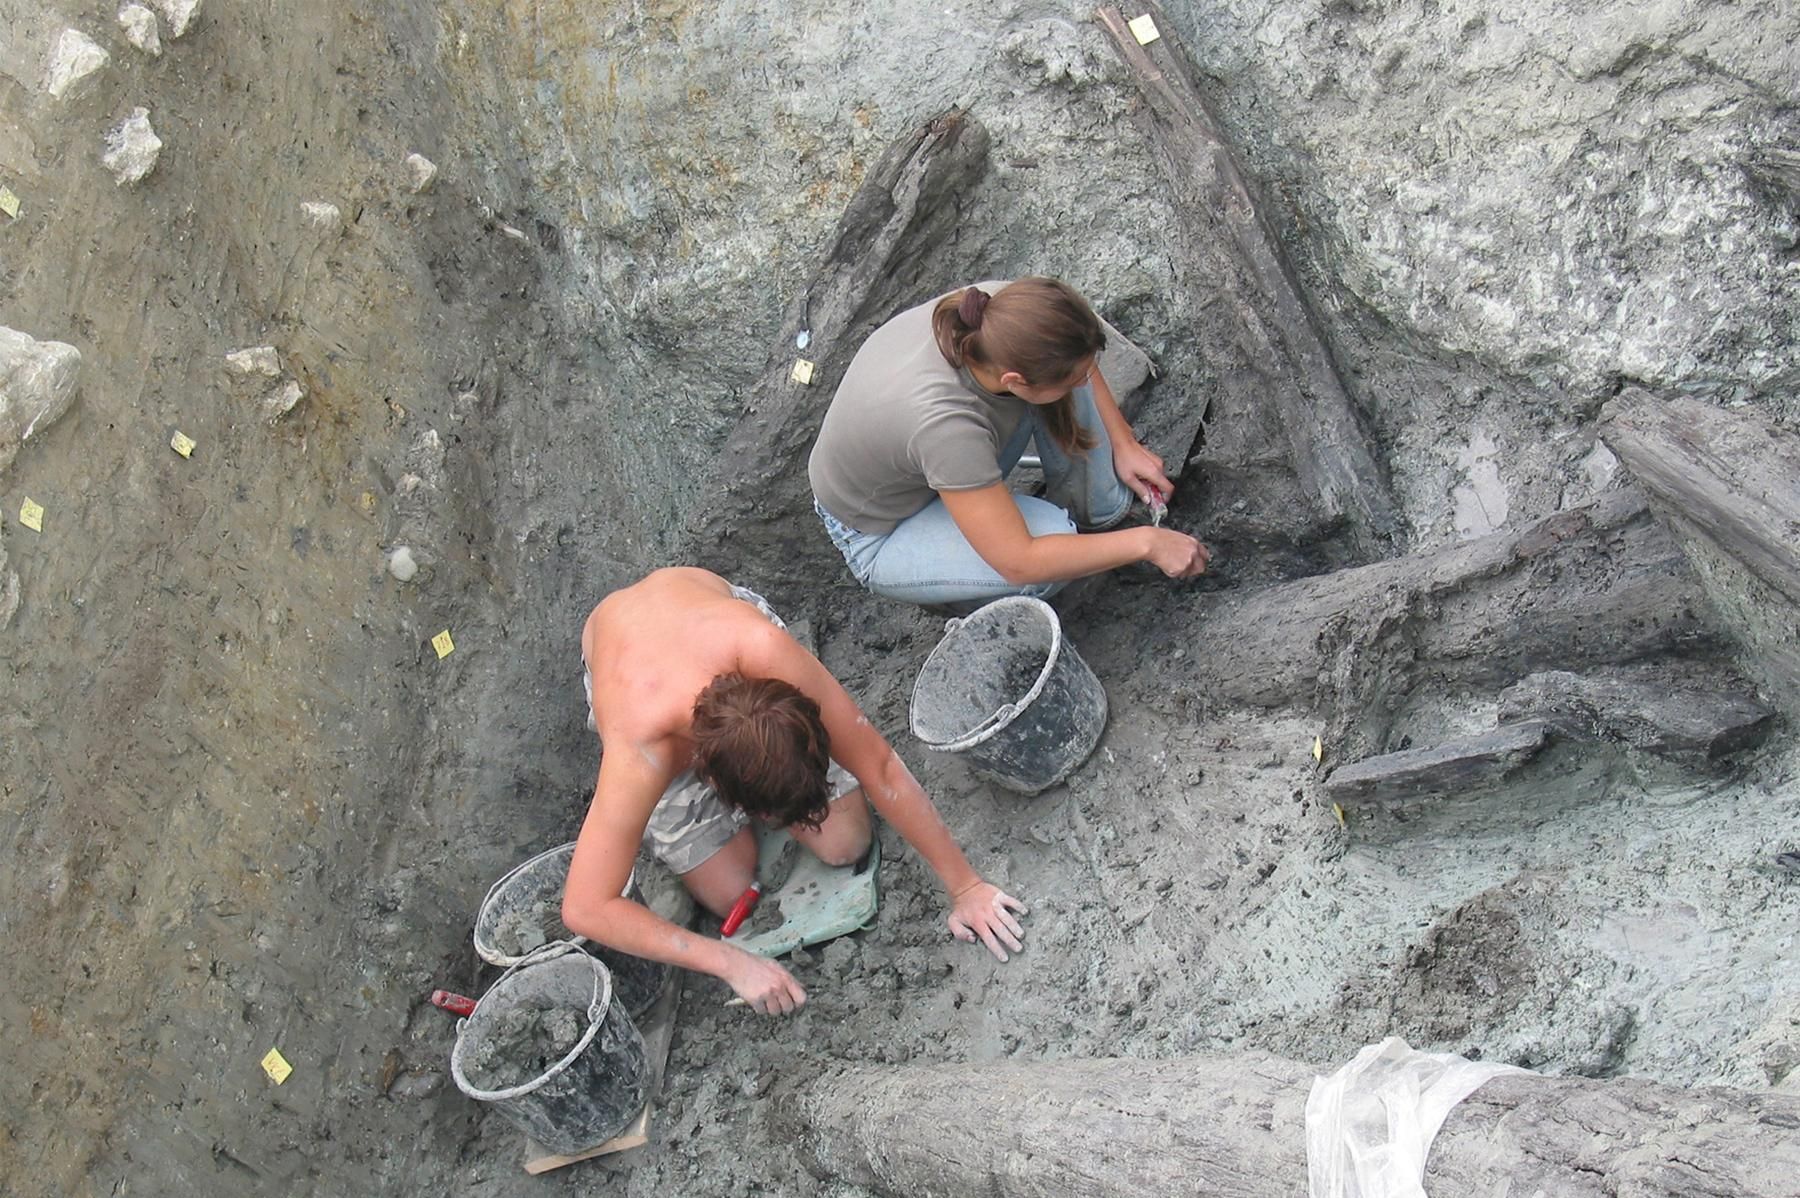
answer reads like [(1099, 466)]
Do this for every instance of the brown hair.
[(1038, 327), (760, 743)]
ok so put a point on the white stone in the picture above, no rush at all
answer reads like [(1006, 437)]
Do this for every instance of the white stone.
[(322, 215), (262, 359), (139, 24), (401, 564), (37, 384), (421, 170), (179, 14), (132, 147), (282, 399), (73, 58)]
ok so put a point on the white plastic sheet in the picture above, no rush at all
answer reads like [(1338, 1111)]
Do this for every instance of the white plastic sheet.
[(1369, 1126)]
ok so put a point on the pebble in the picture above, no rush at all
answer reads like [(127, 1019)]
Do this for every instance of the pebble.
[(420, 171), (401, 564), (180, 14), (73, 58), (139, 24), (132, 148)]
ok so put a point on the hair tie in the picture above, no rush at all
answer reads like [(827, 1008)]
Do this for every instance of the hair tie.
[(973, 303)]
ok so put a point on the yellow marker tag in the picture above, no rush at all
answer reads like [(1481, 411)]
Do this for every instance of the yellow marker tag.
[(9, 203), (182, 444), (368, 502), (443, 644), (1339, 812), (1144, 29), (31, 516), (1318, 748), (276, 1066), (803, 371)]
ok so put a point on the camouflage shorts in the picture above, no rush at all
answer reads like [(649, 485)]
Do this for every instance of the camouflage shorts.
[(691, 822)]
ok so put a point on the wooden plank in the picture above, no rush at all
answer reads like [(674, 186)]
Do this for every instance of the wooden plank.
[(1465, 763), (1257, 330), (1234, 1126), (658, 1030)]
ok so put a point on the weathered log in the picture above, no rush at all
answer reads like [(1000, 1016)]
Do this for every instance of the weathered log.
[(1679, 710), (1234, 1127), (1456, 765), (1597, 585), (1256, 331), (759, 509), (1728, 483)]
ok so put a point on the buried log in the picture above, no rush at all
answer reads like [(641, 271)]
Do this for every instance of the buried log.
[(759, 511), (1234, 1127), (1257, 332), (1455, 765), (1728, 483), (1690, 710), (1595, 585)]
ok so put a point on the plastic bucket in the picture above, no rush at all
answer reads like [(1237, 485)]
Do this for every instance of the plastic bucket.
[(1005, 688), (529, 899), (590, 1093)]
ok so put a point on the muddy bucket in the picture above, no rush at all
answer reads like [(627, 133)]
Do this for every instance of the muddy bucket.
[(550, 1047), (1005, 688), (523, 911)]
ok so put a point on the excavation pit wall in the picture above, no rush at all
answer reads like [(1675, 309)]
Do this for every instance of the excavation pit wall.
[(248, 806)]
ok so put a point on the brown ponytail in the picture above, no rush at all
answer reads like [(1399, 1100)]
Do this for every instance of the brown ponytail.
[(1038, 327)]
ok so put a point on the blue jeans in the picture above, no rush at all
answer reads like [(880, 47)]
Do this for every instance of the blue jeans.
[(927, 560)]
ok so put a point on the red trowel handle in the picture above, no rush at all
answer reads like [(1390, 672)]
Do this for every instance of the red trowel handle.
[(740, 910), (456, 1004)]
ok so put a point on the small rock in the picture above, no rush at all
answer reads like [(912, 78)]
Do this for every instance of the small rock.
[(179, 14), (321, 215), (73, 58), (401, 564), (139, 24), (420, 171), (280, 401), (261, 359), (132, 147), (417, 1085), (37, 384)]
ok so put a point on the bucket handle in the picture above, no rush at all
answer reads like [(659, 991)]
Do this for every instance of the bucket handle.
[(545, 952)]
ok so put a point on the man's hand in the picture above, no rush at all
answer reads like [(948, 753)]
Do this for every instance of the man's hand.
[(983, 911), (1139, 470), (765, 987)]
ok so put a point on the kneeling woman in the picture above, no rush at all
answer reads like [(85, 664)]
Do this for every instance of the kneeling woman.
[(909, 471)]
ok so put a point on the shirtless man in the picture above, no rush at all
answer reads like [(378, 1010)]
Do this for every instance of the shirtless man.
[(714, 716)]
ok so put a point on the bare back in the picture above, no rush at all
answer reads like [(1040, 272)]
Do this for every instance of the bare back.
[(652, 647)]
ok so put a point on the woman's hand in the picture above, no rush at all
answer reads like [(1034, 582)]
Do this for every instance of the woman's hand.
[(984, 912), (1139, 469), (765, 987), (1176, 554)]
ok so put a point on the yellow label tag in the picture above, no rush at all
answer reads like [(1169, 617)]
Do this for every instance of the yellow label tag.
[(276, 1066), (31, 516), (9, 203), (443, 644), (1339, 812), (1318, 748), (803, 371), (1143, 29), (182, 444)]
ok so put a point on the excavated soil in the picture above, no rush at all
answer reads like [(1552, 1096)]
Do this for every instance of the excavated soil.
[(247, 805)]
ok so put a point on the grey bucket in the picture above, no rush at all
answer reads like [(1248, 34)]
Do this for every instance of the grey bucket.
[(639, 981), (596, 1089), (1006, 688)]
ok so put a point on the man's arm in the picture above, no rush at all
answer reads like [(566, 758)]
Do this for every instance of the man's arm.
[(624, 795), (979, 910)]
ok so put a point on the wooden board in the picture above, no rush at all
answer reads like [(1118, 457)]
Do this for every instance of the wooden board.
[(658, 1029)]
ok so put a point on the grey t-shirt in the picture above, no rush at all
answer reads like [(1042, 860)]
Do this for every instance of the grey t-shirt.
[(904, 425)]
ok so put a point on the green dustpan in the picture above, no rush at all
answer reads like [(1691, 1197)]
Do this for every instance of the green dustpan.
[(818, 902)]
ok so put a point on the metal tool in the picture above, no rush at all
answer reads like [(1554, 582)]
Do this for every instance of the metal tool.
[(1159, 507), (740, 910)]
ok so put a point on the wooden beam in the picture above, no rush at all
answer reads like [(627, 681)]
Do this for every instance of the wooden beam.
[(1256, 329), (1234, 1127)]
